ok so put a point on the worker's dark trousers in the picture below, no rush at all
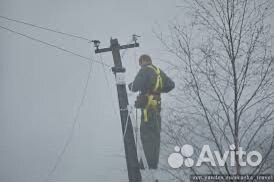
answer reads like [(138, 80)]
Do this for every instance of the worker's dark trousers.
[(150, 136)]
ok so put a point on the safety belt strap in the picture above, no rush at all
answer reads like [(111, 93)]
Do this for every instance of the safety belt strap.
[(157, 88), (159, 83)]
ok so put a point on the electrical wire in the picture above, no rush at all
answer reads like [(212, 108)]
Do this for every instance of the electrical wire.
[(108, 84), (140, 151), (129, 110), (45, 28), (75, 120), (136, 110), (52, 45)]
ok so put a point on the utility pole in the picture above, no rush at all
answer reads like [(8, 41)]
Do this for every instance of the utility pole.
[(134, 174)]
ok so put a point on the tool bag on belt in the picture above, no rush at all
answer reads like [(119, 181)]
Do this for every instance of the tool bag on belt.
[(151, 100)]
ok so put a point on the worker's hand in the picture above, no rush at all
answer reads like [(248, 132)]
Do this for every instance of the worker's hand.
[(130, 86)]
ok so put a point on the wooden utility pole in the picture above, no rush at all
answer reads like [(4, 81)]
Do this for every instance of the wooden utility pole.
[(134, 174)]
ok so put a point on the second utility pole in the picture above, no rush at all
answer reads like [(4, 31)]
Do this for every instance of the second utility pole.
[(134, 174)]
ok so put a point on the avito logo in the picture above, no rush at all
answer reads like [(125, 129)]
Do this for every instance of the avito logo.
[(182, 157)]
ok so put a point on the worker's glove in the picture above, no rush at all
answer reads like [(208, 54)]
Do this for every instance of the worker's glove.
[(130, 86)]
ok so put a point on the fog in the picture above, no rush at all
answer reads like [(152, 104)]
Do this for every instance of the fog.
[(42, 87)]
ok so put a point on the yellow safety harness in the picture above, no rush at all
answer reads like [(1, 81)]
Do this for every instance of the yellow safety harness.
[(152, 102)]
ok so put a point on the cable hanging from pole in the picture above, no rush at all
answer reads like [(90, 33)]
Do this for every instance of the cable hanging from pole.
[(52, 45), (75, 120), (109, 88), (45, 28)]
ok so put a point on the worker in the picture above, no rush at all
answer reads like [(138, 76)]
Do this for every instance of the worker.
[(150, 82)]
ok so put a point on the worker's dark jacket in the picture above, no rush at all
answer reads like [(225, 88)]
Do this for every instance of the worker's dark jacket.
[(145, 79), (150, 130)]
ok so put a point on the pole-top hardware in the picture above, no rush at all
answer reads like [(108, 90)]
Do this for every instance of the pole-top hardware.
[(135, 37), (96, 43)]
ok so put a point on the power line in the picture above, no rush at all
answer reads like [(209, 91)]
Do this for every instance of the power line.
[(109, 88), (45, 28), (75, 120), (52, 45)]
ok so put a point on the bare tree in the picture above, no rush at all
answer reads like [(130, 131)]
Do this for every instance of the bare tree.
[(224, 73)]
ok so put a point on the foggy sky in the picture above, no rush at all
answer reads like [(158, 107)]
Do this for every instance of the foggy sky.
[(41, 87)]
